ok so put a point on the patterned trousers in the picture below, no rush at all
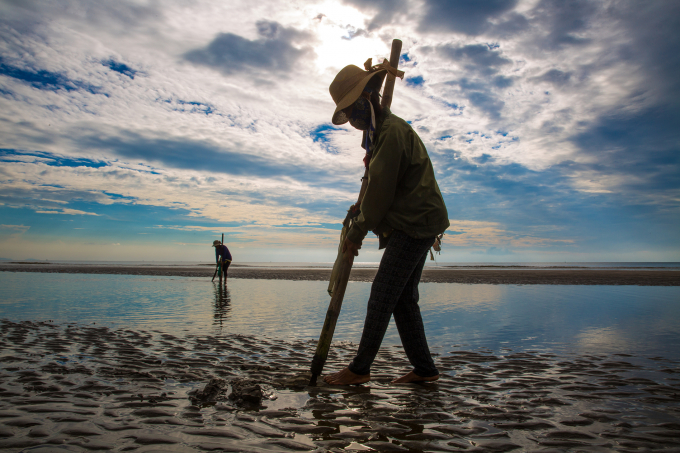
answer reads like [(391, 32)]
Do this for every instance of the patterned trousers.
[(395, 292)]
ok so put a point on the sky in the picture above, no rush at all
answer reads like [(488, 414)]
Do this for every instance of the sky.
[(144, 130)]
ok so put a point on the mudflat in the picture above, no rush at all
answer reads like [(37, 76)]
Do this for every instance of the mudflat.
[(505, 276), (73, 387)]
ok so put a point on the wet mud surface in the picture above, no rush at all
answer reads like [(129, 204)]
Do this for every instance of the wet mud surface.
[(77, 387), (586, 276)]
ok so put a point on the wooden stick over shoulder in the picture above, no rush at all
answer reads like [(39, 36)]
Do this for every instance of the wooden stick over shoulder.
[(386, 101), (389, 81)]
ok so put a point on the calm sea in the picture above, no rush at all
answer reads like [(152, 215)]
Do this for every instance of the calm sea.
[(637, 320)]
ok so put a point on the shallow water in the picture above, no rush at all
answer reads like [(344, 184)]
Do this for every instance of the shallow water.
[(581, 319)]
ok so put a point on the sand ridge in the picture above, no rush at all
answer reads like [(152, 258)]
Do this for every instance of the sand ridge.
[(517, 276), (89, 387)]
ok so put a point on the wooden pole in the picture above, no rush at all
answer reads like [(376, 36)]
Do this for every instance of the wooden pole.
[(386, 101), (389, 81), (324, 344)]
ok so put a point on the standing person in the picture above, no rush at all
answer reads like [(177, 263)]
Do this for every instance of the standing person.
[(403, 206), (222, 255)]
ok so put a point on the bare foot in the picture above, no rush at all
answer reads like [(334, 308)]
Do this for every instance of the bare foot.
[(346, 377), (413, 377)]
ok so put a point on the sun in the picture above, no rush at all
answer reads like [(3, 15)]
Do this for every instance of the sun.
[(342, 39)]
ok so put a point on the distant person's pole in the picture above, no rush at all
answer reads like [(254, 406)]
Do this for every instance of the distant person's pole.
[(219, 266), (324, 344)]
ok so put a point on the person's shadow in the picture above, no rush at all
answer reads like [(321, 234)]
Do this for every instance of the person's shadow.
[(222, 303)]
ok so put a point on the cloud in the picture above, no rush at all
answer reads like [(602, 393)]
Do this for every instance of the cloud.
[(67, 212), (564, 22), (480, 59), (469, 18), (554, 77), (274, 51), (553, 122), (383, 11), (641, 147)]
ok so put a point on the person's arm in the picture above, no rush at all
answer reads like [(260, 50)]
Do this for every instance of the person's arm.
[(383, 176), (217, 255)]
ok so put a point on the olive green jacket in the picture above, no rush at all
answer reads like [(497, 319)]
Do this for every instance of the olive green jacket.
[(402, 192)]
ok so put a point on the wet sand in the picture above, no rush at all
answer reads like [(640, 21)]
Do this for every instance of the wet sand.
[(77, 387), (516, 276)]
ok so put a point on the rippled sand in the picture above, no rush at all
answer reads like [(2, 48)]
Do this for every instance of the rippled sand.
[(88, 388)]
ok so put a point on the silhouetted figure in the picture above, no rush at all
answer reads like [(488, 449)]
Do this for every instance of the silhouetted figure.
[(403, 206), (222, 258)]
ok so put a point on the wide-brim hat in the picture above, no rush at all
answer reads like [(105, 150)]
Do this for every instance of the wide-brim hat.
[(216, 243), (348, 86)]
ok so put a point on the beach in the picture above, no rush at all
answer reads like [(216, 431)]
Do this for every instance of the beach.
[(84, 386), (472, 275)]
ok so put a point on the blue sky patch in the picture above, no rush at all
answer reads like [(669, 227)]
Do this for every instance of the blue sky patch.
[(415, 81), (53, 160), (121, 68), (320, 134), (46, 80)]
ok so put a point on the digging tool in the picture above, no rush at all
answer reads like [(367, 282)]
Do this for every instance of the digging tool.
[(344, 261)]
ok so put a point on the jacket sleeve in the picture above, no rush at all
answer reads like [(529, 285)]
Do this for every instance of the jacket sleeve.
[(383, 176)]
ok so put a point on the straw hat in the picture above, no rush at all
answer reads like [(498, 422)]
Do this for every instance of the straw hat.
[(348, 86), (216, 243)]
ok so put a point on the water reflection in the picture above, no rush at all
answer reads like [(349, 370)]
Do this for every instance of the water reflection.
[(603, 319), (222, 303)]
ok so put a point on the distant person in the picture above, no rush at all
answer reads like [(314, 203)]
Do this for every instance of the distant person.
[(223, 256), (403, 206)]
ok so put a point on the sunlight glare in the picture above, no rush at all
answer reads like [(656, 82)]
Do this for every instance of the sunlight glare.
[(335, 49)]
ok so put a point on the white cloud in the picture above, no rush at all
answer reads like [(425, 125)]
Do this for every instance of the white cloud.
[(510, 94)]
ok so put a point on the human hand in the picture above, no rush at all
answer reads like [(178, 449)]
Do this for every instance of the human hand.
[(351, 246)]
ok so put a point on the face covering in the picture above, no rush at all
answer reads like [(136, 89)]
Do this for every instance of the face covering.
[(360, 117)]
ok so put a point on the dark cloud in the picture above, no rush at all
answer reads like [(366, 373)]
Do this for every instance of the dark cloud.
[(545, 204), (384, 10), (468, 17), (654, 31), (563, 21), (476, 58), (275, 50), (486, 102), (502, 82), (31, 16), (554, 76), (481, 94), (187, 154), (644, 145)]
